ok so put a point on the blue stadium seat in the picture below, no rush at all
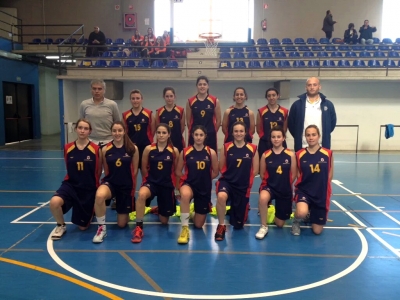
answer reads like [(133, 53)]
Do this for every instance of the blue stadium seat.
[(115, 64), (120, 54), (393, 54), (238, 49), (308, 54), (364, 54), (287, 41), (330, 48), (351, 54), (107, 54), (387, 41), (249, 49), (322, 54), (379, 54), (274, 41), (384, 47), (376, 40), (36, 41), (359, 63), (172, 64), (48, 41), (280, 54), (290, 48), (112, 48), (336, 54), (108, 41), (252, 42), (134, 54), (313, 64), (328, 63), (70, 41), (225, 65), (389, 64), (263, 48), (312, 41), (129, 64), (86, 63), (255, 64), (58, 41), (240, 64), (143, 63), (317, 48), (284, 64), (269, 64), (343, 63), (303, 48), (225, 49), (238, 55), (119, 41), (294, 54), (262, 41), (158, 63), (100, 63), (370, 48), (266, 55), (344, 48), (252, 55), (397, 41), (396, 47), (82, 41), (374, 63), (337, 40), (299, 64), (358, 48), (277, 48), (225, 55), (128, 41), (324, 41), (299, 41)]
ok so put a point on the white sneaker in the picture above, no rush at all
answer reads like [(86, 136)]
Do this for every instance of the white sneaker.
[(262, 232), (58, 232), (100, 234), (296, 227)]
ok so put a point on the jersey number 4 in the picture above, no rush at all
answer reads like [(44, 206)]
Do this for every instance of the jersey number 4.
[(315, 168), (279, 170)]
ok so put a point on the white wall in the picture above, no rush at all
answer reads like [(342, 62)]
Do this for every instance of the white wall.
[(49, 101), (367, 104)]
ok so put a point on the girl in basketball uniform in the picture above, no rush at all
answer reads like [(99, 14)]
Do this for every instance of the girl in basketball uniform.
[(78, 190), (158, 167), (277, 172), (204, 109), (238, 165), (270, 116), (174, 116), (140, 123), (238, 112), (200, 163), (313, 186), (120, 162)]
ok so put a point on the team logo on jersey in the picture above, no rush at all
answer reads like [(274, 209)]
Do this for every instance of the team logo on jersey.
[(168, 158), (206, 157), (208, 106), (126, 155), (270, 162), (163, 118), (246, 115), (325, 108), (247, 155), (286, 162), (152, 156), (303, 198), (231, 154), (71, 157), (110, 154), (322, 159), (223, 188), (88, 157), (279, 119), (143, 121), (176, 117)]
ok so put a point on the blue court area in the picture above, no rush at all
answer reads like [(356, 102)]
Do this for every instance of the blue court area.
[(356, 257)]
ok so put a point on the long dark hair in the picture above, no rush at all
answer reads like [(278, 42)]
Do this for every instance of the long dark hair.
[(240, 88), (129, 145), (169, 141), (202, 77), (271, 89), (202, 128)]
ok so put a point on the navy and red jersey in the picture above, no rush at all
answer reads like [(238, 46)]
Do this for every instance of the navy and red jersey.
[(238, 168), (314, 174), (161, 166), (139, 127), (235, 115), (173, 119), (203, 113), (120, 170), (198, 168), (270, 119), (82, 165), (278, 175)]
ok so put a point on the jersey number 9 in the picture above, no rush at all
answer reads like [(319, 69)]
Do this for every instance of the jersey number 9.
[(203, 113)]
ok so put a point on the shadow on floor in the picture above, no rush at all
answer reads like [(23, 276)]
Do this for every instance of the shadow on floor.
[(47, 142)]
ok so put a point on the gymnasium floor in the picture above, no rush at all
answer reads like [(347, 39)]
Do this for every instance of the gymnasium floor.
[(356, 257)]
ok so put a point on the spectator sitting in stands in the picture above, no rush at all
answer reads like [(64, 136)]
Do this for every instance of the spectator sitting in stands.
[(144, 52), (350, 35), (159, 50), (96, 38), (366, 33), (137, 40), (152, 37)]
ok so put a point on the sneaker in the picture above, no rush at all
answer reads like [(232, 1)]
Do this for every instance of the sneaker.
[(113, 204), (296, 228), (184, 237), (100, 234), (262, 232), (137, 235), (58, 232), (220, 234)]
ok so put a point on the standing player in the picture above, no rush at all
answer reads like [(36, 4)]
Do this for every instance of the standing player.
[(238, 112), (313, 186), (140, 124), (204, 109), (120, 162), (278, 172), (78, 190), (172, 115), (158, 166), (200, 163), (268, 117), (238, 165)]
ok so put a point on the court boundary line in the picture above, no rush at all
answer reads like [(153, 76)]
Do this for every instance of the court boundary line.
[(29, 212)]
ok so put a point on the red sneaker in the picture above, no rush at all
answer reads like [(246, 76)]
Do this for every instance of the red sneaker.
[(137, 235), (220, 234)]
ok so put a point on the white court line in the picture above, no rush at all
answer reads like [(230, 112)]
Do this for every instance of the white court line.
[(30, 212), (386, 244), (367, 162), (40, 158), (348, 270), (348, 213), (340, 184), (389, 233)]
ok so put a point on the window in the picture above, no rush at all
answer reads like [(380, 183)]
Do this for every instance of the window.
[(390, 19)]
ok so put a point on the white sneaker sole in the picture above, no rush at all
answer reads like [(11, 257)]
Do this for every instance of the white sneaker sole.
[(99, 242)]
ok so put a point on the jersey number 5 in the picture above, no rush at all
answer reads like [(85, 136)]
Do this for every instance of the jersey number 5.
[(160, 165), (315, 169)]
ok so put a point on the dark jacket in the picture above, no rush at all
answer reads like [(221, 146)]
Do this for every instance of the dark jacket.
[(366, 33), (328, 23), (296, 120), (348, 32), (97, 36)]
